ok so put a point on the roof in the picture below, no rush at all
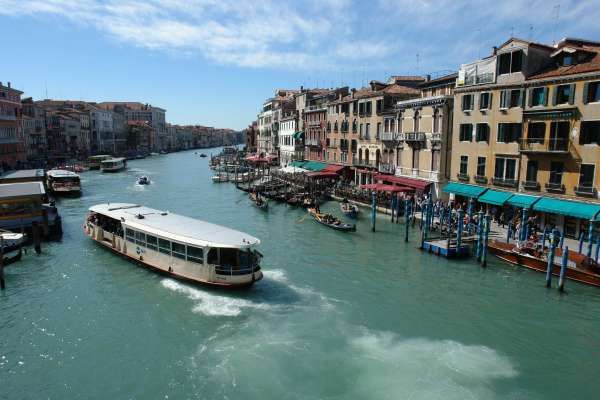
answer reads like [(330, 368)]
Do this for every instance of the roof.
[(115, 159), (314, 166), (23, 174), (10, 190), (567, 207), (175, 227), (462, 189), (62, 173), (591, 65), (528, 42), (410, 182)]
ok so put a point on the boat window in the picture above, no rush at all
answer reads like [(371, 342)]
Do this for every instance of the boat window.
[(164, 246), (229, 257), (130, 234), (151, 241), (140, 238), (178, 250), (245, 257), (194, 254), (213, 256)]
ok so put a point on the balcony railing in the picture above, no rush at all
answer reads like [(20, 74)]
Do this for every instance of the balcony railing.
[(540, 145), (365, 163), (531, 185), (504, 182), (433, 176), (7, 117), (436, 137), (480, 179), (462, 177), (414, 137), (312, 142), (390, 136), (553, 187), (386, 168), (585, 191)]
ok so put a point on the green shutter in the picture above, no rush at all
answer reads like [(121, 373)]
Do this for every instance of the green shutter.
[(572, 93), (501, 133), (529, 97), (490, 101), (522, 95), (586, 89), (555, 95), (545, 96), (502, 96)]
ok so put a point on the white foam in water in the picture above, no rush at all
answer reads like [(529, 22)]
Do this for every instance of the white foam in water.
[(277, 275), (212, 304)]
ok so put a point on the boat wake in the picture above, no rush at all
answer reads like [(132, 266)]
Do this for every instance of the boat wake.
[(212, 304)]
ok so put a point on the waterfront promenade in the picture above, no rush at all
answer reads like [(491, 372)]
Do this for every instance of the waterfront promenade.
[(337, 316)]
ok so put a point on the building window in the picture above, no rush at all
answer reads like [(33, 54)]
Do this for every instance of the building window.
[(466, 132), (586, 176), (483, 132), (367, 129), (436, 120), (416, 121), (509, 132), (481, 166), (467, 102), (378, 130), (485, 101), (537, 97), (591, 92), (464, 165), (532, 171), (556, 172), (564, 94), (510, 62), (505, 169), (590, 132), (559, 135), (536, 131)]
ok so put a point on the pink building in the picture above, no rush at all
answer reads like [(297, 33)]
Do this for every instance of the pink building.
[(12, 147)]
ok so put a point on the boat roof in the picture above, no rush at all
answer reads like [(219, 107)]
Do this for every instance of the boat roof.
[(23, 174), (175, 227), (109, 160), (100, 156), (10, 190), (62, 173)]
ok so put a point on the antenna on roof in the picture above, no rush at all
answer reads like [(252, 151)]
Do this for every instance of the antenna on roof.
[(556, 8), (512, 31)]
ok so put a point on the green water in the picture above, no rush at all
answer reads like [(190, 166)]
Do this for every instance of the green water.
[(337, 316)]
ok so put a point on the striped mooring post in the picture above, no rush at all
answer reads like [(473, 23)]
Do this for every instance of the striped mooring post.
[(373, 209), (580, 242), (551, 258), (544, 237), (561, 244), (459, 231), (486, 234), (393, 207), (479, 235), (563, 269), (398, 205), (406, 218), (524, 224), (590, 238), (597, 249)]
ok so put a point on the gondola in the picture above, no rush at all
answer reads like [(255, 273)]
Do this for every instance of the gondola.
[(348, 209), (259, 201), (331, 221)]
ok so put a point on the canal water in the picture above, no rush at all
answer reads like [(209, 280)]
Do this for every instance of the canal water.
[(337, 316)]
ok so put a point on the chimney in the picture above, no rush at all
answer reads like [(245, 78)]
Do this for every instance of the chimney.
[(495, 50)]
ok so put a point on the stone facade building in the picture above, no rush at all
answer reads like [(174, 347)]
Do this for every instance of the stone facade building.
[(12, 143)]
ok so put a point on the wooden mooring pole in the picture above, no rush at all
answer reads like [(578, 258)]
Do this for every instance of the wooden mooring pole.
[(551, 258), (2, 284), (563, 269), (406, 218)]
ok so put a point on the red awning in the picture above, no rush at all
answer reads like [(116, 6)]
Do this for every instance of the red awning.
[(400, 180), (322, 174), (333, 168), (380, 187)]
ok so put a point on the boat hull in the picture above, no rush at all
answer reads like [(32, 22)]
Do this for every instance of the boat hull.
[(508, 254), (130, 251)]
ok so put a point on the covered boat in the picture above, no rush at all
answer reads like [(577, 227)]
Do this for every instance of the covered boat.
[(60, 181), (350, 210), (183, 247), (113, 164)]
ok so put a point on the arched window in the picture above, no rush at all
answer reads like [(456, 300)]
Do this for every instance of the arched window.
[(416, 121), (335, 127), (436, 120)]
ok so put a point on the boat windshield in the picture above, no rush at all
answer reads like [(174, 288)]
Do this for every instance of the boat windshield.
[(233, 261)]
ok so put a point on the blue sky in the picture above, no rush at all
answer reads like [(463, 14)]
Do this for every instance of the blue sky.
[(213, 62)]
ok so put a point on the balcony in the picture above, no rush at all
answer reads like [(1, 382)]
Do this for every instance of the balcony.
[(387, 168), (553, 187), (433, 176), (531, 186), (462, 177), (390, 137), (505, 182), (313, 142), (481, 179), (364, 163), (436, 137), (414, 137), (585, 191), (539, 145), (7, 117)]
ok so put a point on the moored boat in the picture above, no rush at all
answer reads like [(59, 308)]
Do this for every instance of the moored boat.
[(259, 201), (183, 247), (331, 221), (114, 164), (579, 267), (220, 177), (60, 181), (348, 209)]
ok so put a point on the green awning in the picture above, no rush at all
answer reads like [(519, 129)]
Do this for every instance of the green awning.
[(522, 200), (314, 166), (298, 135), (496, 197), (462, 189), (297, 163), (566, 207)]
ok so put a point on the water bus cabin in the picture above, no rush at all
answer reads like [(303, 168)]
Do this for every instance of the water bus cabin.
[(113, 164), (60, 181), (95, 162), (24, 204), (183, 247), (23, 175)]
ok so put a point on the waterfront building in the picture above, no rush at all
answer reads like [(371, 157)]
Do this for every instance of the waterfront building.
[(34, 131), (417, 135), (63, 132), (12, 143), (251, 136), (291, 146), (526, 120), (268, 120), (342, 130), (140, 135), (369, 106)]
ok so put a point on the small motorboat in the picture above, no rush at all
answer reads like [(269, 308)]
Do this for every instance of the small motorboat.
[(348, 209), (203, 155), (220, 177), (11, 241), (260, 202), (143, 180), (331, 221)]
